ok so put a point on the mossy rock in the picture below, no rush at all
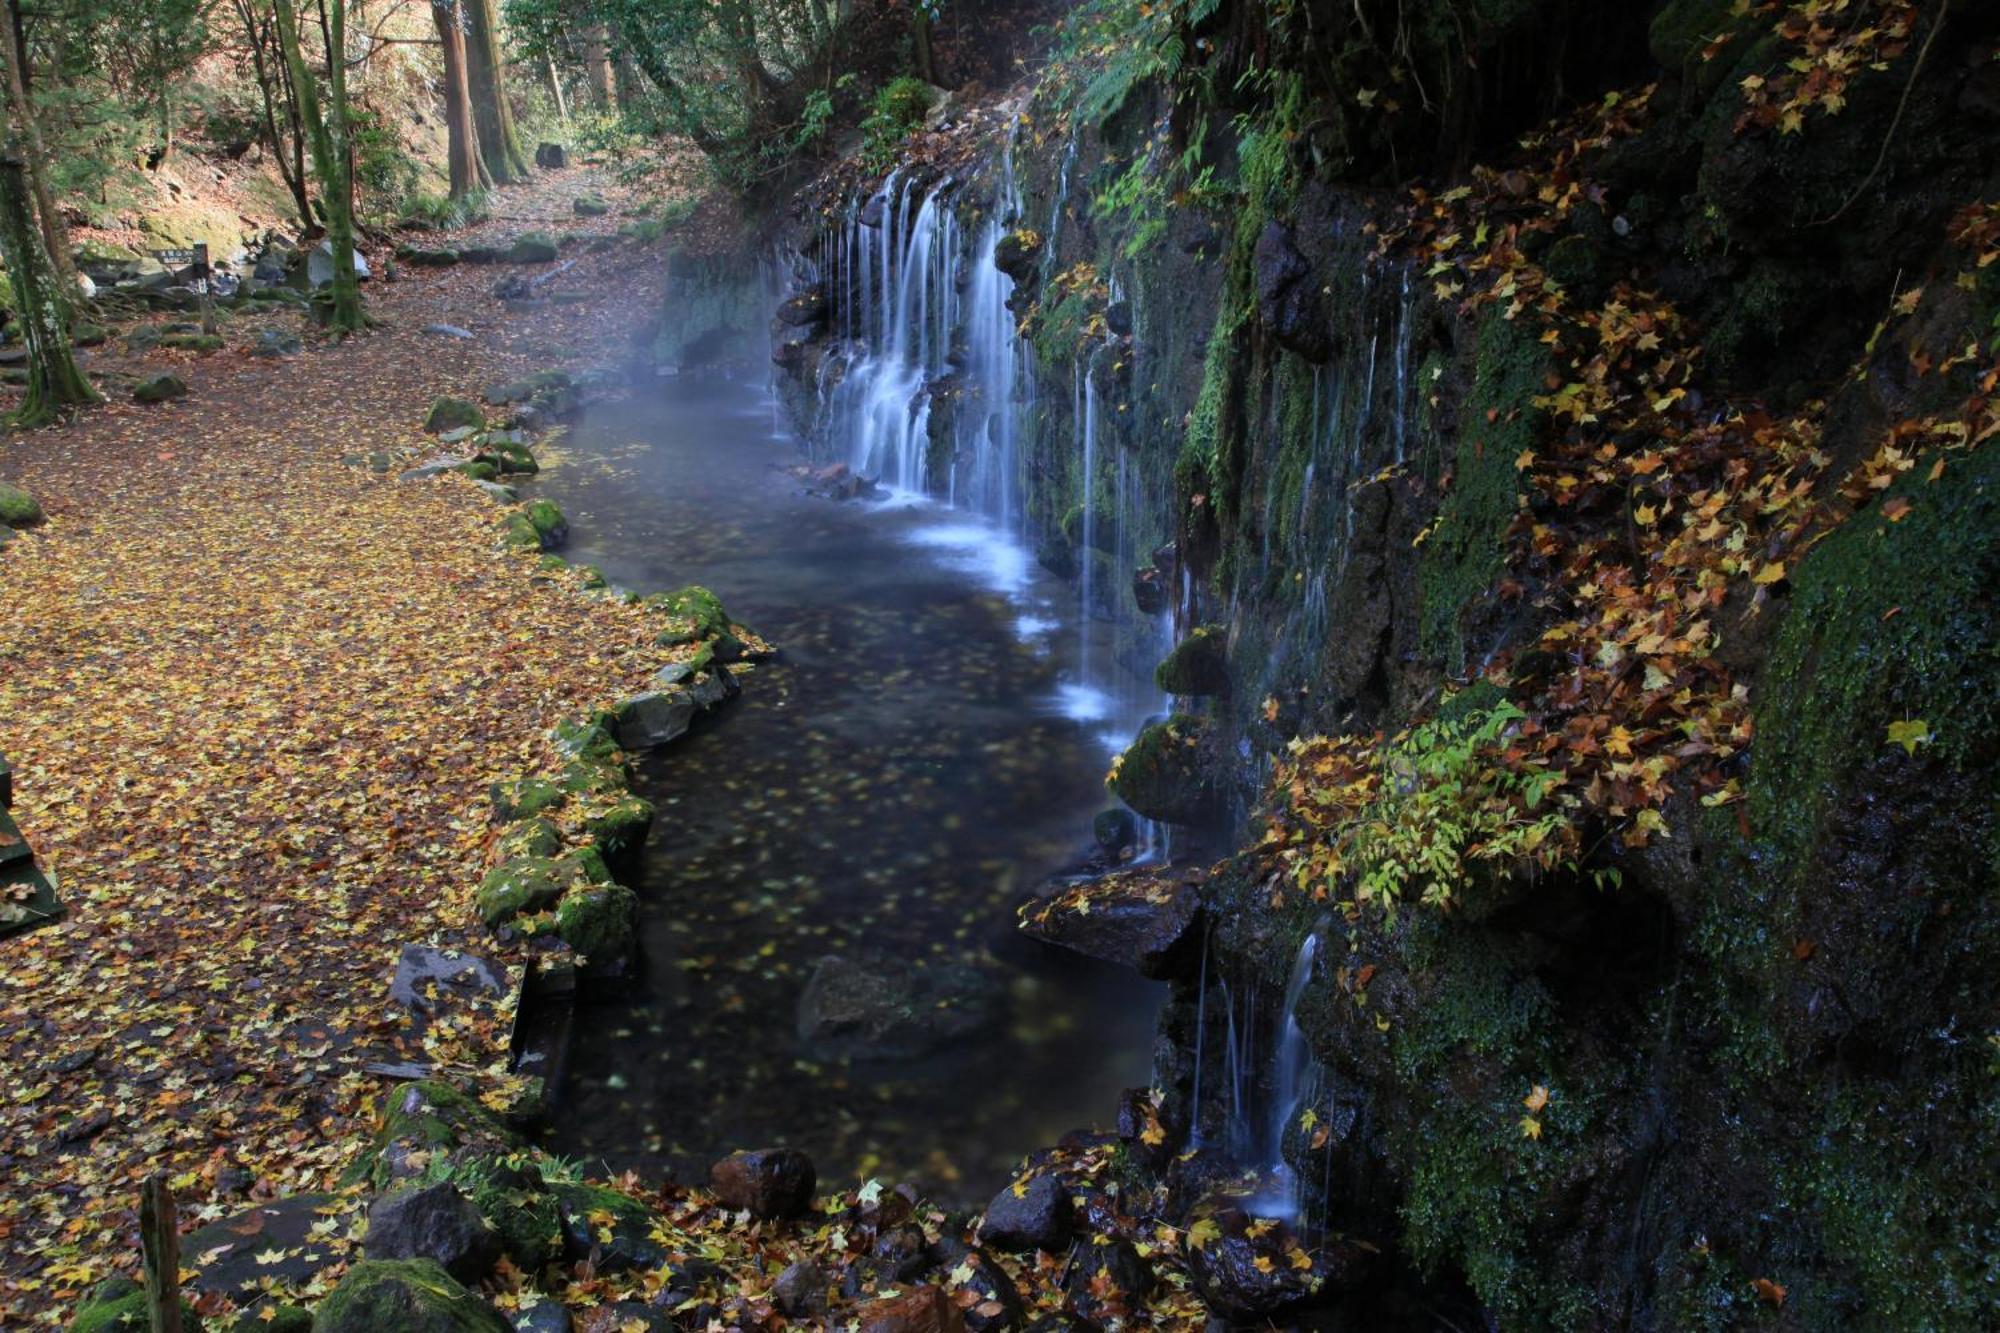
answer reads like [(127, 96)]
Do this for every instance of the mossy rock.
[(480, 471), (551, 528), (521, 1210), (407, 1295), (623, 1242), (590, 206), (523, 885), (118, 1305), (508, 458), (524, 798), (1683, 27), (588, 738), (1171, 772), (531, 837), (192, 342), (517, 530), (428, 1127), (594, 777), (160, 389), (621, 830), (18, 509), (586, 865), (451, 414), (420, 257), (535, 247), (89, 335), (601, 924), (1198, 665)]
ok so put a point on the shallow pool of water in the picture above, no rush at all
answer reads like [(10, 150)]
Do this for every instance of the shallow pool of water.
[(913, 766)]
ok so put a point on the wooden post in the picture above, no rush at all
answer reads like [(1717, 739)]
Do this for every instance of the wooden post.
[(207, 286), (160, 1240)]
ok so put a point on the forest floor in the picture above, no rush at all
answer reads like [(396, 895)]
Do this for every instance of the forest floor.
[(254, 697)]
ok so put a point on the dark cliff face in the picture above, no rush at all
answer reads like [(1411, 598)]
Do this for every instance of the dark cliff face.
[(1751, 1076)]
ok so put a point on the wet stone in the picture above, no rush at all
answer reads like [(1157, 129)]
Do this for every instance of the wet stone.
[(766, 1183), (1030, 1214), (800, 1290), (925, 1310), (1109, 1280), (872, 1006), (1250, 1268), (224, 1254), (1141, 919), (434, 1222)]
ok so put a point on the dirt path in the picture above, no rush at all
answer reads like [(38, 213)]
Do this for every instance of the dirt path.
[(254, 698)]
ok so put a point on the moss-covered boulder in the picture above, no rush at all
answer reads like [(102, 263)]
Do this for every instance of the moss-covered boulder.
[(273, 1317), (407, 1295), (523, 885), (612, 1229), (524, 798), (601, 924), (511, 1196), (508, 458), (427, 1127), (159, 389), (453, 414), (479, 470), (530, 837), (1172, 772), (118, 1305), (620, 830), (18, 509), (535, 247), (590, 206), (192, 342), (550, 525), (587, 738), (1198, 665)]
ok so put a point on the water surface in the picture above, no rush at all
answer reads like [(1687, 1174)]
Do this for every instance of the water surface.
[(916, 763)]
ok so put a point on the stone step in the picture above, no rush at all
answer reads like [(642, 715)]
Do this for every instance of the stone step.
[(13, 846)]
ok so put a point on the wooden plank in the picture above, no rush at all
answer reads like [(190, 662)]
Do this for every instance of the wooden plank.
[(160, 1239)]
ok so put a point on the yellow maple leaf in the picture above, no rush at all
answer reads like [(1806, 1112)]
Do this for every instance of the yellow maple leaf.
[(1910, 733), (1203, 1233), (1531, 1128)]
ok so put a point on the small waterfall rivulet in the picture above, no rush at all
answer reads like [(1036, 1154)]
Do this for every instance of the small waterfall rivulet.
[(931, 392)]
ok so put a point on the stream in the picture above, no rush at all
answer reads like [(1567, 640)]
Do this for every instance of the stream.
[(918, 761)]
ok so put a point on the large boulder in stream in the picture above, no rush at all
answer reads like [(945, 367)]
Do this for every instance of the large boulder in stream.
[(1172, 772), (1033, 1213), (1141, 919), (871, 1006)]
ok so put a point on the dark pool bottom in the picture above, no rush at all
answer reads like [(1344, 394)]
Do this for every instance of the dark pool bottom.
[(890, 789)]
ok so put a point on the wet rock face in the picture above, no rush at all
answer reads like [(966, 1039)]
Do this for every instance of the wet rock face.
[(1172, 773), (1198, 665), (984, 1294), (1109, 1281), (1249, 1268), (624, 1243), (435, 1222), (800, 1291), (767, 1183), (1031, 1214), (1141, 919), (1288, 302), (925, 1310), (871, 1006)]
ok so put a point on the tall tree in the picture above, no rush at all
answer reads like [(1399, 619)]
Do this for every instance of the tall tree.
[(462, 136), (21, 111), (40, 302), (274, 82), (597, 68), (331, 142), (499, 143)]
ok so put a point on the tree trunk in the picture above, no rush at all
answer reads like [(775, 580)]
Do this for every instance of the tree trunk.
[(275, 88), (597, 68), (467, 168), (329, 137), (920, 39), (22, 113), (160, 1246), (486, 65), (40, 303), (555, 89)]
